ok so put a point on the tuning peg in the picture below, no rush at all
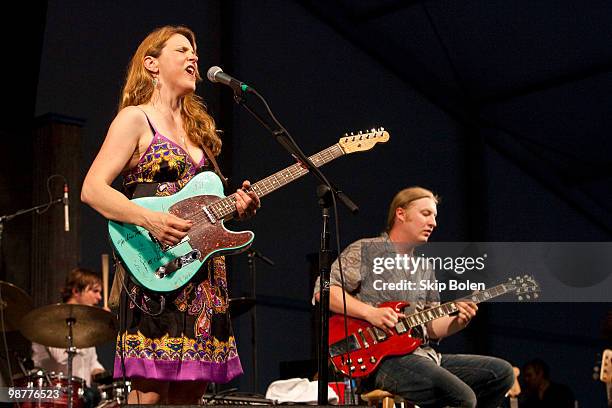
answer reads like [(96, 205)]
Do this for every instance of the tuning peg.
[(360, 132), (520, 298), (352, 134), (345, 134), (381, 128)]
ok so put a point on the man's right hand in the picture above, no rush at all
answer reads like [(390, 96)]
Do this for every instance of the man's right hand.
[(383, 317)]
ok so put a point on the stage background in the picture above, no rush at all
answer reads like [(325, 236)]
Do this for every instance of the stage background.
[(502, 108)]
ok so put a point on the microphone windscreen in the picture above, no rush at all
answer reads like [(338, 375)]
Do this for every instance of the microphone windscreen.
[(212, 72)]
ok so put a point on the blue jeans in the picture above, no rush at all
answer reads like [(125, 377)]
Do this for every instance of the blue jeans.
[(461, 380)]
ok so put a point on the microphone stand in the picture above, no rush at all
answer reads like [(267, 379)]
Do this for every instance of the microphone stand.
[(325, 260), (252, 253), (4, 218), (328, 193)]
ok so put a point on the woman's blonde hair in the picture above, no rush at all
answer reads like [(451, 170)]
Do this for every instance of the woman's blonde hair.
[(404, 198), (138, 89)]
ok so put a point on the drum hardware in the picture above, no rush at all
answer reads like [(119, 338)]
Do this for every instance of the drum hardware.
[(71, 350), (14, 304), (54, 326), (114, 394)]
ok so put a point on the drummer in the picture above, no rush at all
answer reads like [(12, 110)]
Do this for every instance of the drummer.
[(83, 287)]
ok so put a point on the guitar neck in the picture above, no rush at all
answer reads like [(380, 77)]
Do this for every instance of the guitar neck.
[(427, 315), (227, 206)]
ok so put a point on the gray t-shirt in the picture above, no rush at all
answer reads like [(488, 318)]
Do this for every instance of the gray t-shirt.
[(374, 272)]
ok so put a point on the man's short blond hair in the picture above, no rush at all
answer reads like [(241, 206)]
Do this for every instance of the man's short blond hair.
[(404, 198)]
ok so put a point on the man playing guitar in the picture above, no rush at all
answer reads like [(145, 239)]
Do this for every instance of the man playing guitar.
[(424, 376)]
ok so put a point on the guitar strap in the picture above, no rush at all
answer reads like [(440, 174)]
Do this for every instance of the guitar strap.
[(117, 285), (211, 157)]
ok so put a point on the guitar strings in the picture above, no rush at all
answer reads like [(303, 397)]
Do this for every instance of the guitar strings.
[(295, 171)]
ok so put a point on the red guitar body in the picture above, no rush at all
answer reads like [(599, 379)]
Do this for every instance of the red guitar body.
[(368, 345)]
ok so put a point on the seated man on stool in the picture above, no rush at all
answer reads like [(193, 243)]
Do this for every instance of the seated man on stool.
[(424, 376)]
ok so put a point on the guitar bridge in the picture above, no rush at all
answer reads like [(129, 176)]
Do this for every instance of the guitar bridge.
[(177, 263)]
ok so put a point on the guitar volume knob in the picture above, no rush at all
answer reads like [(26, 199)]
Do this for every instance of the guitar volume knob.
[(372, 359)]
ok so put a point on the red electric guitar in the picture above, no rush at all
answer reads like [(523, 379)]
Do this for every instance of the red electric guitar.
[(368, 345)]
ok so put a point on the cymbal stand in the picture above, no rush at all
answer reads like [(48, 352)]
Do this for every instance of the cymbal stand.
[(252, 271), (71, 350)]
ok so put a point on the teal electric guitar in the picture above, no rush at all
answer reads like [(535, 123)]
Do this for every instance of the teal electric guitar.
[(160, 268)]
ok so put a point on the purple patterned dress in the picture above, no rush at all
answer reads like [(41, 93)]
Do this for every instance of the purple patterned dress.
[(192, 339)]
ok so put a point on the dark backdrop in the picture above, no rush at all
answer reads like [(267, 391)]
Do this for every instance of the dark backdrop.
[(500, 107)]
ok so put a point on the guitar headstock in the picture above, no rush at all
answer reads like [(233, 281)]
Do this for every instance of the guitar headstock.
[(525, 287), (605, 372), (363, 141)]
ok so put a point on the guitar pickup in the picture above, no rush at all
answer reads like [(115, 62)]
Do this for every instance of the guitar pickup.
[(177, 263), (379, 334), (165, 247), (209, 215)]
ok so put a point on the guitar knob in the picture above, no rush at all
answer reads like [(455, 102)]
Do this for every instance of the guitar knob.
[(352, 368), (372, 359), (363, 368), (360, 360)]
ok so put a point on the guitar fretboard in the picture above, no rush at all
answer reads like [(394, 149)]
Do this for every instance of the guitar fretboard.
[(446, 309), (226, 206)]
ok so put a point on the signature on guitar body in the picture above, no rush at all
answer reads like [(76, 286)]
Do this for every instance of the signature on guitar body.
[(164, 269)]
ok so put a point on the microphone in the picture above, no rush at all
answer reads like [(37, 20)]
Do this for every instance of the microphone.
[(216, 74), (66, 214)]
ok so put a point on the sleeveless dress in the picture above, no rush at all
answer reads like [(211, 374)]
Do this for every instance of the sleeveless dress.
[(192, 339)]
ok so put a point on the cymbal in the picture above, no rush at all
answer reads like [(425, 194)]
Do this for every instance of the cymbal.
[(48, 326), (240, 305), (15, 304)]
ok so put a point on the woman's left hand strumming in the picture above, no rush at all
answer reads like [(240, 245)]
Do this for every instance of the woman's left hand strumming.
[(247, 202)]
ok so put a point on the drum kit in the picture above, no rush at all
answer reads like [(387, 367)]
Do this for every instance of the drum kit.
[(65, 326), (69, 327)]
